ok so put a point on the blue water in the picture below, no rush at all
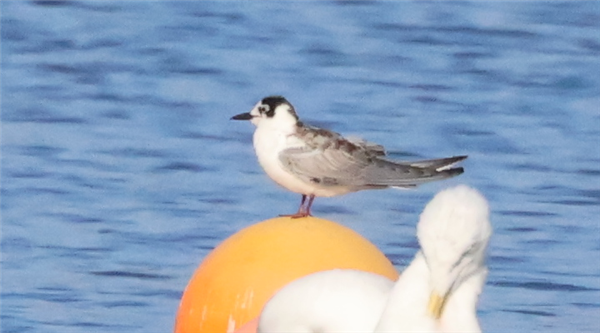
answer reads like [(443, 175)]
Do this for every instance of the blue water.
[(121, 169)]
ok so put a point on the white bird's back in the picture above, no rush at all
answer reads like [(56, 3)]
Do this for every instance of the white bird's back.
[(328, 301)]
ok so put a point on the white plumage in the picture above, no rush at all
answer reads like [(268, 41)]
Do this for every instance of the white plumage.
[(437, 292)]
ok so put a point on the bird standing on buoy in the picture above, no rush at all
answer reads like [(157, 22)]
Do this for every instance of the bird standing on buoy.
[(316, 162)]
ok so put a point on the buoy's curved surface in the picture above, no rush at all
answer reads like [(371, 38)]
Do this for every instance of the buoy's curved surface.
[(249, 327), (239, 276)]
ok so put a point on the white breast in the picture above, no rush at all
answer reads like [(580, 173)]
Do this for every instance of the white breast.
[(267, 145)]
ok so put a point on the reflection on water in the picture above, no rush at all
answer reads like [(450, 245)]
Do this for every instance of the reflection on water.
[(121, 169)]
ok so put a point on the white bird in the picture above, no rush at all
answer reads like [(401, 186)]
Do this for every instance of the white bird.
[(317, 162), (437, 292)]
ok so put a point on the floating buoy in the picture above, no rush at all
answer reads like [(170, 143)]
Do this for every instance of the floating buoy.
[(249, 327), (233, 283)]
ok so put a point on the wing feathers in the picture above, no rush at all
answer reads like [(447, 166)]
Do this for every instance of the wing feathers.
[(359, 166), (389, 173), (438, 164)]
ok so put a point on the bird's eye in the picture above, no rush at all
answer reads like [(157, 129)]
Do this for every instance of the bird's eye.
[(262, 109)]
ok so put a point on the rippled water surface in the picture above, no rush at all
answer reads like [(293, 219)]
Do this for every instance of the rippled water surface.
[(121, 169)]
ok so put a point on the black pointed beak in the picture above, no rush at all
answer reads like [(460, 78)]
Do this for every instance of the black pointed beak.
[(242, 116)]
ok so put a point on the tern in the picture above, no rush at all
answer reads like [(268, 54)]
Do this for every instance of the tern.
[(317, 162)]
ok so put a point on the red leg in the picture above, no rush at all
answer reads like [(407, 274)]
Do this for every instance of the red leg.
[(303, 210), (311, 198)]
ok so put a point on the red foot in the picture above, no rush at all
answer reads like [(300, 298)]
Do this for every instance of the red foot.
[(304, 210), (296, 216)]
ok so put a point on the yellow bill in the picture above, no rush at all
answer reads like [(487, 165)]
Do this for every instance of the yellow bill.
[(436, 305)]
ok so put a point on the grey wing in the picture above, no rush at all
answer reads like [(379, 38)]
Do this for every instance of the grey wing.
[(371, 147), (405, 174), (327, 167), (358, 168), (439, 164)]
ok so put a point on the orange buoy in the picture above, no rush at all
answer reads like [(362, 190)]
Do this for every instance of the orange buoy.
[(249, 327), (233, 283)]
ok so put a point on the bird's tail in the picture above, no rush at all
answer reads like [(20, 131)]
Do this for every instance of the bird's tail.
[(410, 174), (438, 164)]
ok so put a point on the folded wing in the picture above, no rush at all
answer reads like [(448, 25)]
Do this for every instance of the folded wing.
[(344, 163)]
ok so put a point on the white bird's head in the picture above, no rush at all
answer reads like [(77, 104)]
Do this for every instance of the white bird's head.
[(453, 230), (272, 111)]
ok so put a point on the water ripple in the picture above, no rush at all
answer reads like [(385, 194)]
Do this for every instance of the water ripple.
[(548, 286), (134, 275), (120, 169)]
